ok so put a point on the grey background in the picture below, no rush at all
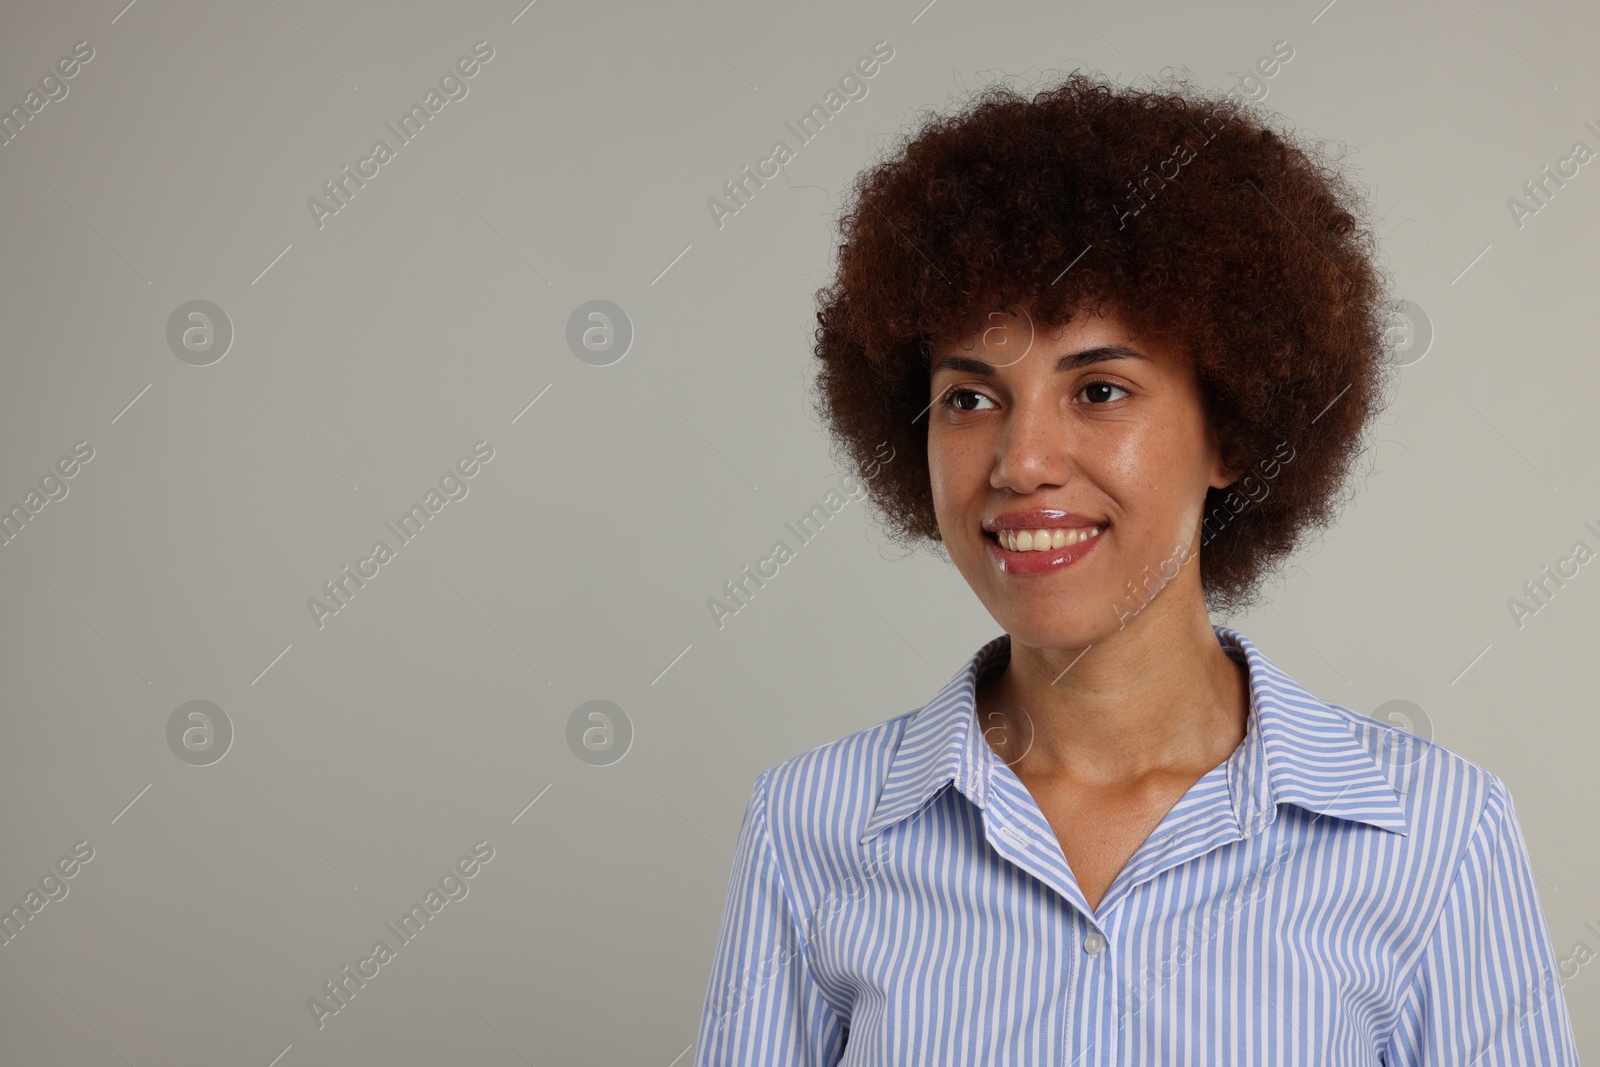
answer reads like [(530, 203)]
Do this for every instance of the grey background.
[(370, 354)]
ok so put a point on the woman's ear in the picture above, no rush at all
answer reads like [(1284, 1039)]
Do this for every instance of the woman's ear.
[(1222, 475)]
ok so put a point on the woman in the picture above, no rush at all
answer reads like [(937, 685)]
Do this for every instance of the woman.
[(1125, 346)]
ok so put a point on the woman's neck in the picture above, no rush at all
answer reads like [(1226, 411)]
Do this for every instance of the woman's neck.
[(1160, 694)]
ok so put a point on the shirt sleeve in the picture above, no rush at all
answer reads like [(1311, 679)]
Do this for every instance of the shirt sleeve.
[(1487, 991), (763, 1004)]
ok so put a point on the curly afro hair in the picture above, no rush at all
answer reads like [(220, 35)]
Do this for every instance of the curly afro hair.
[(1182, 211)]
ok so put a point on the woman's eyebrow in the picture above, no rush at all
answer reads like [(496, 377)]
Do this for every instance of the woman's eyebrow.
[(1070, 361)]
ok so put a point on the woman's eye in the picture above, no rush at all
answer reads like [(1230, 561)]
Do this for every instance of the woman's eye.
[(1099, 388), (951, 398)]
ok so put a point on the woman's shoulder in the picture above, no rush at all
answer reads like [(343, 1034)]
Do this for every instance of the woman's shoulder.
[(1441, 791), (825, 795), (858, 760), (1385, 768)]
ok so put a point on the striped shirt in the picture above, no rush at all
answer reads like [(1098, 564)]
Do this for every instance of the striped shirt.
[(1336, 892)]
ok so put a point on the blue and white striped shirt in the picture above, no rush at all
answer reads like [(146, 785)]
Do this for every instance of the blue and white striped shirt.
[(1336, 892)]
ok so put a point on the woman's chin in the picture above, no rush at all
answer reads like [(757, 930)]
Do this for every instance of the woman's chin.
[(1057, 629)]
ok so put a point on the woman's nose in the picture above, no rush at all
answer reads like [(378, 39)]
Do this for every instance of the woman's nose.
[(1037, 447)]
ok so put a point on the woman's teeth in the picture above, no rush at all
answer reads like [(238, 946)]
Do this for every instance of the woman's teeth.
[(1045, 540)]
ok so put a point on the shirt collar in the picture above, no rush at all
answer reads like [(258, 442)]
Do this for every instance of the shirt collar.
[(1297, 750)]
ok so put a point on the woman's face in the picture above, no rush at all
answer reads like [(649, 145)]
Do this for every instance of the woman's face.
[(1093, 427)]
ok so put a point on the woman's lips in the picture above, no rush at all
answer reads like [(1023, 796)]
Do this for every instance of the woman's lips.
[(1029, 563), (1039, 519)]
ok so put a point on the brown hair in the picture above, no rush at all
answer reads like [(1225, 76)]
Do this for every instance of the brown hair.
[(1186, 213)]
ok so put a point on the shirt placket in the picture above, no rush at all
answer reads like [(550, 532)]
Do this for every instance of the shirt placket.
[(1020, 832), (1091, 1036)]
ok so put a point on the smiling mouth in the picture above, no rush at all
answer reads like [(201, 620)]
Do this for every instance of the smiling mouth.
[(1043, 540)]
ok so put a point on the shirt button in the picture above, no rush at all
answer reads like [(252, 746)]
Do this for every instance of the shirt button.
[(1093, 942)]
